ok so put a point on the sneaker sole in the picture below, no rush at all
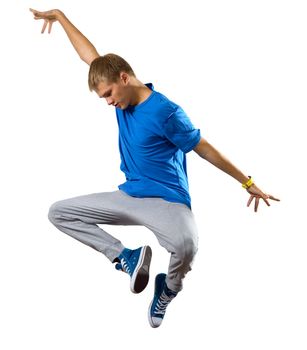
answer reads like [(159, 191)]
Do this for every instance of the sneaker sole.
[(140, 277)]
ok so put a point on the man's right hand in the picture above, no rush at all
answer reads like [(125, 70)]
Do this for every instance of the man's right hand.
[(82, 45), (49, 18)]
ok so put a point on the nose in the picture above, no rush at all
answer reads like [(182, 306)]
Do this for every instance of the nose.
[(109, 101)]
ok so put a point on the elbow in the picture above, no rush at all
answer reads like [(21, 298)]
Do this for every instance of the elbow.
[(89, 58)]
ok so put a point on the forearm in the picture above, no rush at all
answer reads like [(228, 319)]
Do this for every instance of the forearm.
[(82, 45), (213, 156)]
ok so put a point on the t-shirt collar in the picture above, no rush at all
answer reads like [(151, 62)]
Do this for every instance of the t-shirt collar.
[(141, 105)]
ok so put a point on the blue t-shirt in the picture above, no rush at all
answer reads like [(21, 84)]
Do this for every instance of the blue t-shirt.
[(153, 139)]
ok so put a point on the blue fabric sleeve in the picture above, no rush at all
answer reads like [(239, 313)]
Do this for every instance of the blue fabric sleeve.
[(181, 132)]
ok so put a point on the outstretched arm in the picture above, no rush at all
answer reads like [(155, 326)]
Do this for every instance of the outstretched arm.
[(212, 155), (82, 45)]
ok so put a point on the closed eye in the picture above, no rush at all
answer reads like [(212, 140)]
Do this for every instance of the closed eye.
[(107, 94)]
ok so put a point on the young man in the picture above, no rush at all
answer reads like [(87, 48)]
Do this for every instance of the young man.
[(154, 136)]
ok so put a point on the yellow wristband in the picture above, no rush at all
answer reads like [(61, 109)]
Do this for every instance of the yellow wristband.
[(248, 184)]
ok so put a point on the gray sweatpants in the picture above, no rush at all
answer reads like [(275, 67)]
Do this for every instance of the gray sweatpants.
[(172, 223)]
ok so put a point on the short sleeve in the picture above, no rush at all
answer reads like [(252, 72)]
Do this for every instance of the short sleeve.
[(181, 132)]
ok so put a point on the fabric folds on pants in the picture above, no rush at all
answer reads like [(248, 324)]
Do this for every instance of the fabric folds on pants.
[(172, 223)]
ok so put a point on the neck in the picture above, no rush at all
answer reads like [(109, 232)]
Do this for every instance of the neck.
[(140, 92)]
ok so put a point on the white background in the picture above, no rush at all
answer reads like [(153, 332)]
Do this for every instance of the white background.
[(238, 68)]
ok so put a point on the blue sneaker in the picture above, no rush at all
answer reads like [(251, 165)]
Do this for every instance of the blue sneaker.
[(136, 263), (162, 297)]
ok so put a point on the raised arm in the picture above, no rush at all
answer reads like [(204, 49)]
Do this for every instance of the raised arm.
[(85, 49), (212, 155)]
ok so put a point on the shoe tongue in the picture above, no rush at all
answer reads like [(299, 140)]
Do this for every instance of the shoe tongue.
[(169, 292)]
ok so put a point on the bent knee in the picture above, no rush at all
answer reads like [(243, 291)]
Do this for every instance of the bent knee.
[(55, 212), (187, 250)]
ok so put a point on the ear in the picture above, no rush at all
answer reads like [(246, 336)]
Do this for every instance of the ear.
[(124, 78)]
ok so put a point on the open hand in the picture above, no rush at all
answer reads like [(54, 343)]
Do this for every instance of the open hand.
[(49, 18), (257, 194)]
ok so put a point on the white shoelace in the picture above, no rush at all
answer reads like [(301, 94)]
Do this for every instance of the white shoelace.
[(125, 266), (162, 303)]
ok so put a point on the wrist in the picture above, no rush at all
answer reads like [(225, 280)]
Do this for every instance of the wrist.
[(59, 15), (247, 184)]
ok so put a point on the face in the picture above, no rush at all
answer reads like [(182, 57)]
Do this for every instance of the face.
[(116, 94)]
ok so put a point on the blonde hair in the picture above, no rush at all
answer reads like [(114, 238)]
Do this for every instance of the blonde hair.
[(107, 68)]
